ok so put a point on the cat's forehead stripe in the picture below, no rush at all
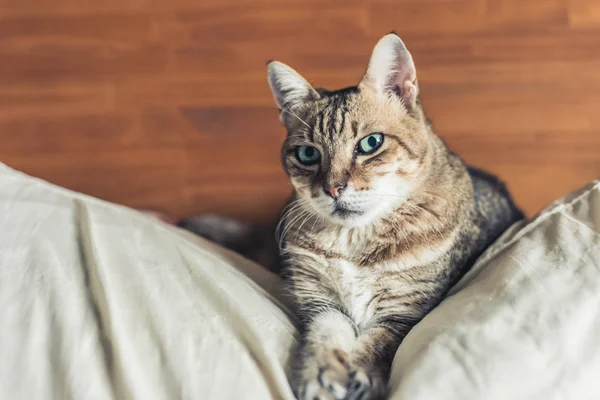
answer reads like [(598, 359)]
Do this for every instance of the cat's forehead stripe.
[(331, 117), (354, 125), (336, 115)]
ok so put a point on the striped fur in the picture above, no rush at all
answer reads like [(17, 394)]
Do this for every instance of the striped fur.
[(361, 282)]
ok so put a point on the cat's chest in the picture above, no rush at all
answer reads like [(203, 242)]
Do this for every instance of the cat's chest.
[(355, 287)]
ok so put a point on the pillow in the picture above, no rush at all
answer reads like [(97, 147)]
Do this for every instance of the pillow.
[(98, 301), (524, 323)]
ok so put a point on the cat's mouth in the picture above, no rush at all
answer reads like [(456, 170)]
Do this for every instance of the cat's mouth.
[(343, 212)]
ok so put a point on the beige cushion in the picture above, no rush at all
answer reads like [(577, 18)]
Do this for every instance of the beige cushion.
[(524, 324), (98, 301)]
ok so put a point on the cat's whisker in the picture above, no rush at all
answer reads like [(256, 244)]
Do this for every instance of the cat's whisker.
[(411, 221), (292, 222), (289, 111), (427, 214), (291, 206), (289, 216), (317, 219), (436, 196), (435, 224), (285, 213), (424, 212), (309, 216), (287, 222)]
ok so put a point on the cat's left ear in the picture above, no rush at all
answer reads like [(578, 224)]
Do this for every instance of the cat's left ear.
[(289, 88), (392, 70)]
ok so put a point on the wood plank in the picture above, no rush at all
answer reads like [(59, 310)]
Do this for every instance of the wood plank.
[(584, 13), (153, 178), (529, 162), (435, 17), (88, 132), (39, 49), (26, 99)]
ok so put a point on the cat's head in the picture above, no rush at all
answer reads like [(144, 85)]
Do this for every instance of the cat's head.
[(356, 154)]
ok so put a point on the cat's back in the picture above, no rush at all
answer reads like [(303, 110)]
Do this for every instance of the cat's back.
[(495, 210), (492, 213)]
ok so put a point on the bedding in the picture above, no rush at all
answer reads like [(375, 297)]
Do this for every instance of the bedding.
[(98, 301)]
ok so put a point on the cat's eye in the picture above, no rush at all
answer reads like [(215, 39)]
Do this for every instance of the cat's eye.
[(308, 155), (369, 144)]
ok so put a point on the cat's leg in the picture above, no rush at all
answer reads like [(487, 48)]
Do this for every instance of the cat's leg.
[(333, 361), (254, 242), (341, 360), (337, 362), (325, 367)]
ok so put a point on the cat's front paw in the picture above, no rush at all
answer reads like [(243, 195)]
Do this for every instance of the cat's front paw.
[(336, 377)]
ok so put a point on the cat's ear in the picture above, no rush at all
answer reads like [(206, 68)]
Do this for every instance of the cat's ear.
[(392, 70), (288, 87)]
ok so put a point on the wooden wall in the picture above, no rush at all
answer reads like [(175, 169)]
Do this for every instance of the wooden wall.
[(164, 104)]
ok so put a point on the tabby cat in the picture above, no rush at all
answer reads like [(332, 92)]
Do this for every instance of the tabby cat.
[(384, 220)]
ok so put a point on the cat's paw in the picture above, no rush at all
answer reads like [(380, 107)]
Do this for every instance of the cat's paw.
[(336, 377)]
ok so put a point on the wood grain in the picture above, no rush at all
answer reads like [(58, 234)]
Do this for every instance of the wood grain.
[(165, 105)]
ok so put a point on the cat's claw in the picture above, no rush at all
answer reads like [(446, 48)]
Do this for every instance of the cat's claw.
[(338, 379)]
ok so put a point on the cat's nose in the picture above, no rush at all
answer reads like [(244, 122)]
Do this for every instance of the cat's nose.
[(335, 190)]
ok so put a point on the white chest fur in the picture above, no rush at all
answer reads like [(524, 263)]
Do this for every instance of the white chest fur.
[(355, 288)]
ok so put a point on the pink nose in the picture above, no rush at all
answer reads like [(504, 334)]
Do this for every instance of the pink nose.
[(334, 191)]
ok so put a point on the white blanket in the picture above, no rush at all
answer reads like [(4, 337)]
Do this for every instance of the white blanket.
[(100, 302)]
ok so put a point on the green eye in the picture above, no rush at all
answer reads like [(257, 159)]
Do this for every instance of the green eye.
[(308, 155), (369, 144)]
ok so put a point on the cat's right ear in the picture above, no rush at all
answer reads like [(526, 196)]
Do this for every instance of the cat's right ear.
[(288, 87), (391, 70)]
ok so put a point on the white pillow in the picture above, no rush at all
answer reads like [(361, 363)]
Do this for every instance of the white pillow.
[(98, 301), (523, 324)]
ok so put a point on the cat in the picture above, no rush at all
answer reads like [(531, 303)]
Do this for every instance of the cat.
[(384, 220)]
